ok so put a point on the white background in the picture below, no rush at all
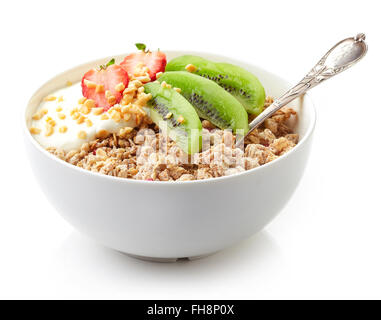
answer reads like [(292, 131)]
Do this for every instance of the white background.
[(327, 241)]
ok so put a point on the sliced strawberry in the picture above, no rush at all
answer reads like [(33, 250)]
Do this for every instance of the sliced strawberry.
[(108, 76), (154, 61)]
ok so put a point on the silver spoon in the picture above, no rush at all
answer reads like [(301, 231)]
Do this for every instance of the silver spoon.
[(342, 56)]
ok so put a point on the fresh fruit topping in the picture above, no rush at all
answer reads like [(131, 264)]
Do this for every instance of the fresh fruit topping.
[(211, 101), (102, 85), (171, 110), (154, 61), (243, 85)]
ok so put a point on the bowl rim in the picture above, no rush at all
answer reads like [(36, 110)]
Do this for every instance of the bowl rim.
[(309, 131)]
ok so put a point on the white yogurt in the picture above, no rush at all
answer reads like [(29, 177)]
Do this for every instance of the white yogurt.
[(69, 140)]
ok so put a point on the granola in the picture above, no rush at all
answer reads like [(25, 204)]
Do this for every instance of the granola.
[(130, 156)]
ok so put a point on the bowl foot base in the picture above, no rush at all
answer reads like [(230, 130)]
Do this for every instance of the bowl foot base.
[(169, 260)]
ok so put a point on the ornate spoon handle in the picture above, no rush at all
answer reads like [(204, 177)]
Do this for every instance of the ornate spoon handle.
[(342, 56)]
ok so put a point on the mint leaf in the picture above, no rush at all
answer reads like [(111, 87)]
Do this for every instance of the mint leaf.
[(140, 46)]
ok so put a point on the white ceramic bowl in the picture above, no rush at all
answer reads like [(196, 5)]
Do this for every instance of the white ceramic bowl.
[(170, 220)]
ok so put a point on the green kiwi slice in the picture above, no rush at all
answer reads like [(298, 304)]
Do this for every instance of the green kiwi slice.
[(243, 85), (169, 108), (209, 99)]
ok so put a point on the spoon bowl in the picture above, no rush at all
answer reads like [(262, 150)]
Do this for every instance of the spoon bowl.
[(346, 53)]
